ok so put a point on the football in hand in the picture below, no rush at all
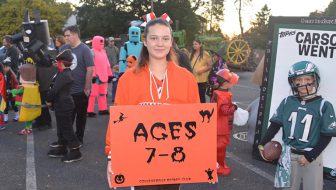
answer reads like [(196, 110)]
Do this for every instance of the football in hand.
[(272, 150)]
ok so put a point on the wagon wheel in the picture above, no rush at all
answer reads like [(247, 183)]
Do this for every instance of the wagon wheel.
[(238, 51)]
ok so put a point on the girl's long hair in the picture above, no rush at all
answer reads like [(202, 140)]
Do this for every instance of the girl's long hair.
[(193, 50)]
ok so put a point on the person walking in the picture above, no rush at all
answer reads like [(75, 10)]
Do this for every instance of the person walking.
[(60, 99), (112, 52), (13, 52), (82, 70), (200, 65)]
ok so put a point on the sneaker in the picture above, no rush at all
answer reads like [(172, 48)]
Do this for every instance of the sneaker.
[(17, 115), (25, 131), (104, 112), (2, 127), (91, 114), (72, 156), (56, 145), (224, 170), (6, 118), (57, 152)]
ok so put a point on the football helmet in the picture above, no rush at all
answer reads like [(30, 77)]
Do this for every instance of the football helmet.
[(225, 75), (304, 68)]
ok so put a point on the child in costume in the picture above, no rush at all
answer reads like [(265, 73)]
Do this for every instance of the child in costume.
[(59, 97), (131, 61), (30, 107), (101, 76), (308, 123), (2, 98), (226, 109), (131, 47), (218, 64), (11, 83)]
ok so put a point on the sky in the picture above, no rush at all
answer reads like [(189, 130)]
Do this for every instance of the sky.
[(230, 26)]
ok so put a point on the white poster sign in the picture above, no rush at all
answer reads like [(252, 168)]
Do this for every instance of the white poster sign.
[(293, 40)]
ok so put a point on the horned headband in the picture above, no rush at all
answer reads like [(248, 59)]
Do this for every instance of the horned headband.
[(151, 16)]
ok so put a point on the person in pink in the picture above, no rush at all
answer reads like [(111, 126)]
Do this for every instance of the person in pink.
[(101, 76)]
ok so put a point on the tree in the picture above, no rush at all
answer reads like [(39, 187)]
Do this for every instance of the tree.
[(214, 13), (330, 11), (316, 14), (181, 12), (258, 32), (12, 13), (106, 17), (241, 3)]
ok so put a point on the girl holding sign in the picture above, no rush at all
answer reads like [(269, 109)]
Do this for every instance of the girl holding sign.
[(157, 79)]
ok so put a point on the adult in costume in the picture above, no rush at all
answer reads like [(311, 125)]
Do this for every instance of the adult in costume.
[(102, 74)]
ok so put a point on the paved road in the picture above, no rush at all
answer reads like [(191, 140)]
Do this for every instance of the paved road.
[(24, 164)]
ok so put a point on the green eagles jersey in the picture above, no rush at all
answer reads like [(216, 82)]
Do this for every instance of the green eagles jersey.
[(304, 121)]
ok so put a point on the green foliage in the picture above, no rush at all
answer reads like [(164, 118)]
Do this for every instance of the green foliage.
[(12, 13), (182, 14), (330, 11), (257, 35), (106, 17), (212, 42), (213, 12)]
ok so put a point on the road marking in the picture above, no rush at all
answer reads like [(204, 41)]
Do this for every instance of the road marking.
[(250, 167), (242, 136), (30, 165)]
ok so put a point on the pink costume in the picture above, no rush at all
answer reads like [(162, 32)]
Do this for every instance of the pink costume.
[(101, 74)]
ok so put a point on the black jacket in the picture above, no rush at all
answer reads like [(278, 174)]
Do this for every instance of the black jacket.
[(14, 54), (59, 93)]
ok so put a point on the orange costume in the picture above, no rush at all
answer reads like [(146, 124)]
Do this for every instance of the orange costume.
[(225, 109), (141, 87), (224, 125)]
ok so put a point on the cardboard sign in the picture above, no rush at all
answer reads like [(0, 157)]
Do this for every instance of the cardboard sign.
[(166, 144), (294, 39)]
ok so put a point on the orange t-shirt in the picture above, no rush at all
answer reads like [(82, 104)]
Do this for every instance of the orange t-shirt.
[(178, 87)]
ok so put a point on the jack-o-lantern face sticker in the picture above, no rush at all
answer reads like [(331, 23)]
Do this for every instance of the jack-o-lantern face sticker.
[(119, 179)]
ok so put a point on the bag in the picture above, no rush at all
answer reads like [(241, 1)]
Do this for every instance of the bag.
[(240, 117)]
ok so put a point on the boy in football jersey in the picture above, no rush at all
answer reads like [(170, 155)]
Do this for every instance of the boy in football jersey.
[(308, 124)]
